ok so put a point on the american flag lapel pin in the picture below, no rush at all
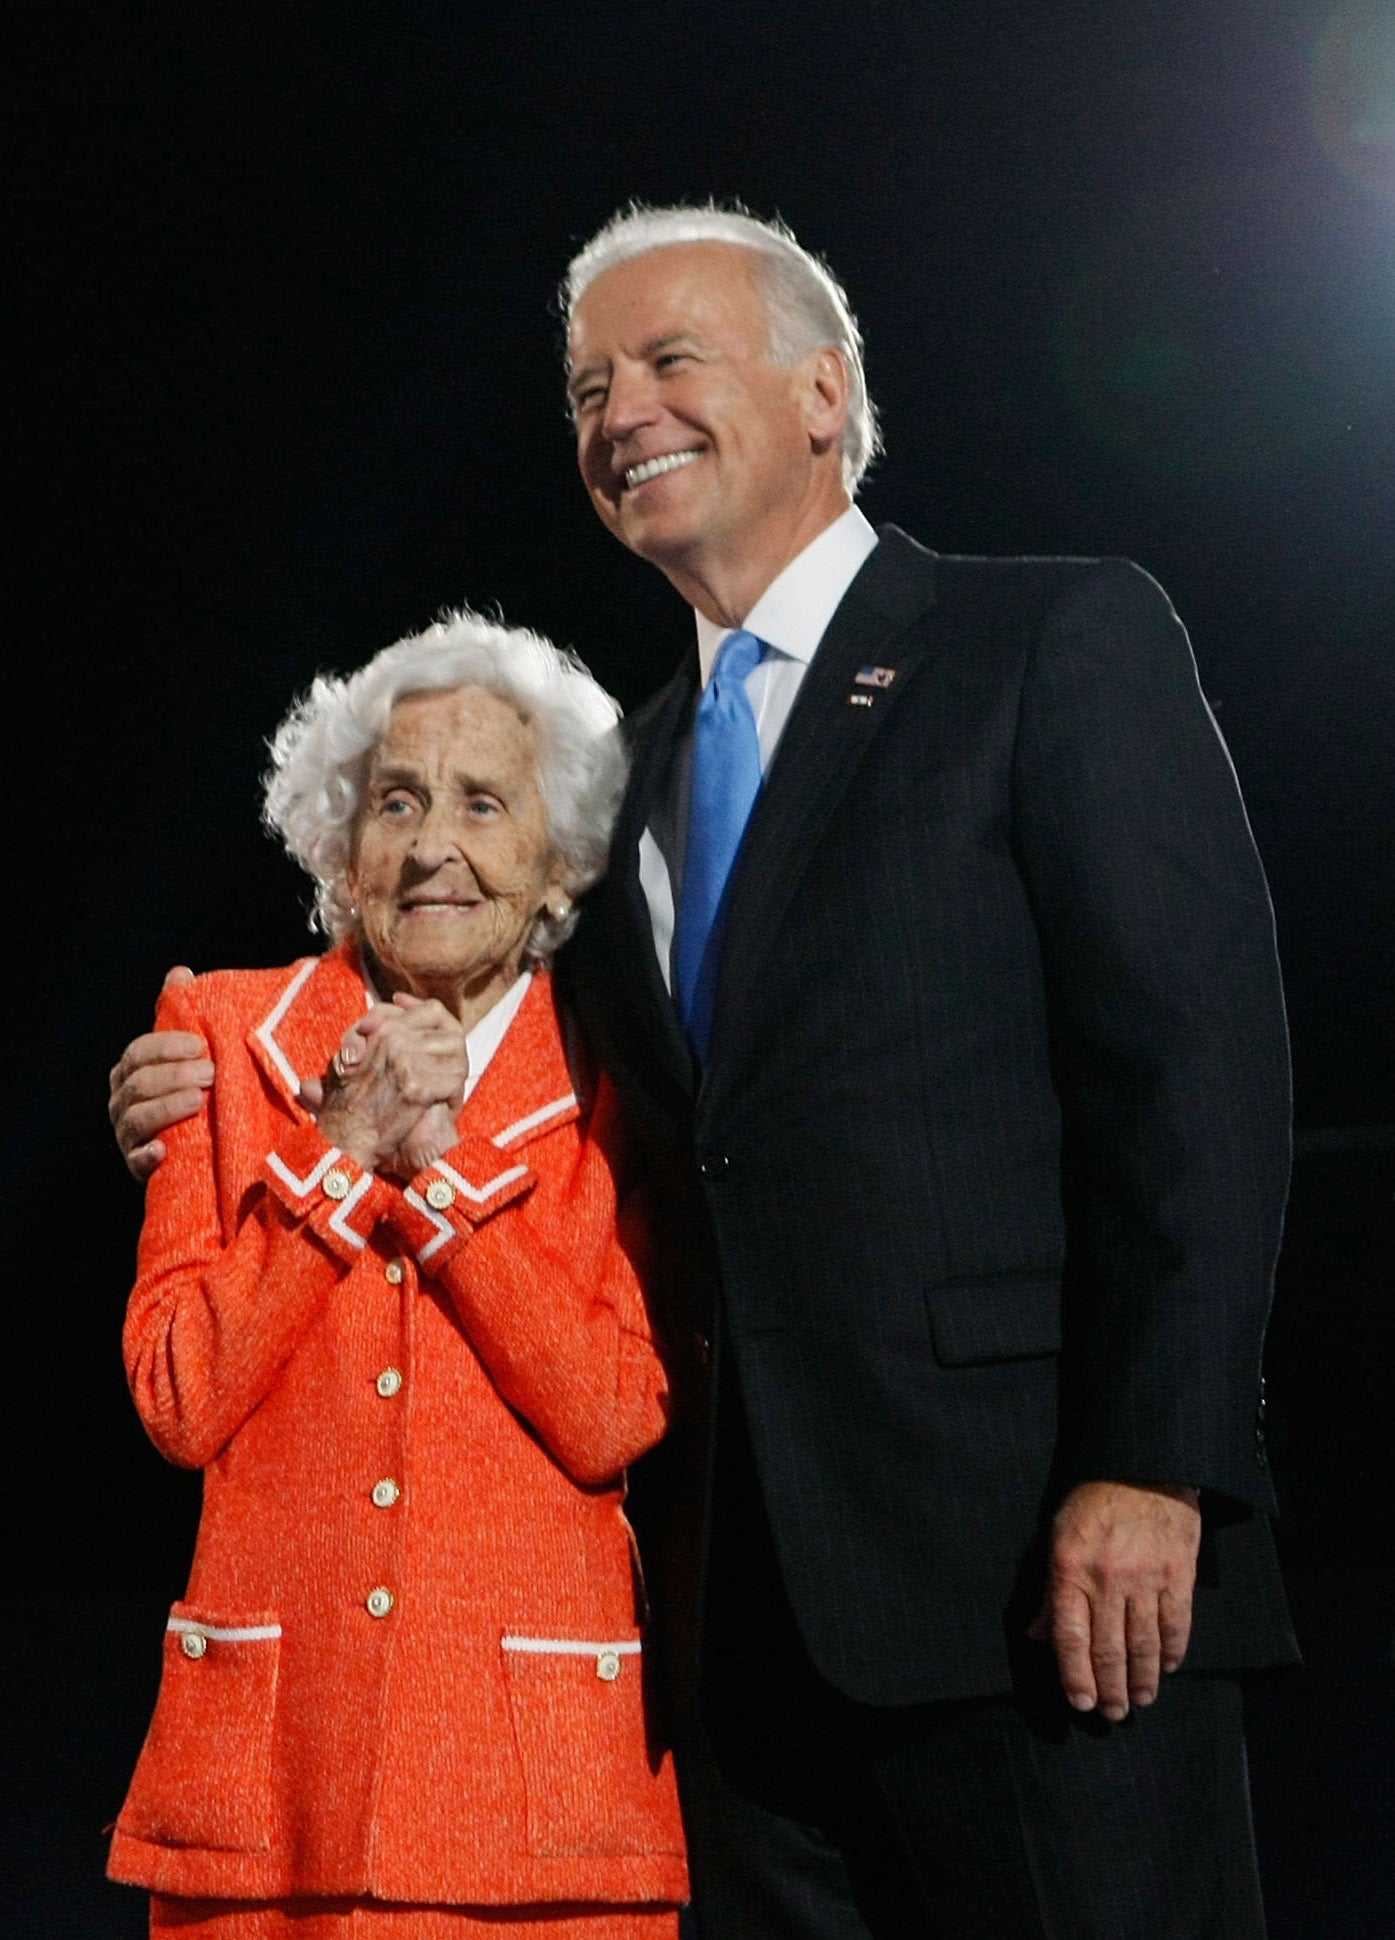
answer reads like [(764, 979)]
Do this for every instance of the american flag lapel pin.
[(868, 682)]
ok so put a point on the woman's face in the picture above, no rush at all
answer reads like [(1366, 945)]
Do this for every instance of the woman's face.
[(451, 857)]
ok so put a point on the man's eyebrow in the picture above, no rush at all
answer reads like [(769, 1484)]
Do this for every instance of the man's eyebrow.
[(583, 372), (653, 347), (666, 342)]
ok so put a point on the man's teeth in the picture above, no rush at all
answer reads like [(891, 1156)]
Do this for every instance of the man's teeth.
[(656, 467)]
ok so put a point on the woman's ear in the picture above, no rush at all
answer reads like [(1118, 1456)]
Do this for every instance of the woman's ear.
[(556, 897)]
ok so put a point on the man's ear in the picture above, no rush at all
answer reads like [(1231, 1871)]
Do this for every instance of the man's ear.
[(825, 397)]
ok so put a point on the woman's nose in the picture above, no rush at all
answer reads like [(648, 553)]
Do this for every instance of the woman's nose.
[(439, 838)]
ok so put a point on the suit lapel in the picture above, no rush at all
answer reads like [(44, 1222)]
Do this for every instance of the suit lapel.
[(830, 733), (529, 1089), (302, 1030), (653, 1032)]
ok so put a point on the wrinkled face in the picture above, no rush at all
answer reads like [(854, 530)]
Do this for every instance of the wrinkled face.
[(690, 440), (451, 856)]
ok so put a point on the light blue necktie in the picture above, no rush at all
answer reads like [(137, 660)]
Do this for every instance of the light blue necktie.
[(726, 782)]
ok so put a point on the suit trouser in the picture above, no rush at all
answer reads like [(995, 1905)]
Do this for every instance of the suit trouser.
[(812, 1817)]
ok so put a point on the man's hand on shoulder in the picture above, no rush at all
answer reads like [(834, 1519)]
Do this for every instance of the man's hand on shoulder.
[(1118, 1603), (158, 1079)]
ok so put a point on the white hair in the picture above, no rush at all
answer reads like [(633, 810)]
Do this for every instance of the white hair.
[(807, 305), (321, 752)]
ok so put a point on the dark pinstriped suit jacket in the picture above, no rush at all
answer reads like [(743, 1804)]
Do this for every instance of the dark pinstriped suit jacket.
[(990, 1154)]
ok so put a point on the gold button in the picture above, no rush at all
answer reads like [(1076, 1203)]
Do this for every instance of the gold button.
[(388, 1382), (337, 1184), (608, 1666), (386, 1492), (378, 1602), (193, 1643), (440, 1194), (394, 1271)]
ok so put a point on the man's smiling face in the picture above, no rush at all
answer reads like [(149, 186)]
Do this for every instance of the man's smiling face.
[(698, 451)]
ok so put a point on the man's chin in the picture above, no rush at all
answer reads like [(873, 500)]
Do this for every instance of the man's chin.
[(663, 540)]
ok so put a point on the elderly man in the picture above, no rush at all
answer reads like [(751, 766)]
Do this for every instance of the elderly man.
[(936, 962)]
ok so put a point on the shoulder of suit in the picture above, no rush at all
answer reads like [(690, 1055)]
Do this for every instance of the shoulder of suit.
[(1034, 577), (982, 565), (240, 998), (217, 986)]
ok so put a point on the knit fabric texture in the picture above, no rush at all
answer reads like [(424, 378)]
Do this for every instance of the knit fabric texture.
[(408, 1663)]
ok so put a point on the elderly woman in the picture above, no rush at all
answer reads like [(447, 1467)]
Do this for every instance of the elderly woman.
[(390, 1301)]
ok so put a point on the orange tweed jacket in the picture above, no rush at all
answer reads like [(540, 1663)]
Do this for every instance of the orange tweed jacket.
[(407, 1665)]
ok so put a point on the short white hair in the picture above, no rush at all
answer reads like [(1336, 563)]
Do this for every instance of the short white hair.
[(807, 305), (321, 752)]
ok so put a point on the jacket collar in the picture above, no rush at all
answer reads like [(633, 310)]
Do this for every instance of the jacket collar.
[(300, 1033), (528, 1088), (536, 1080)]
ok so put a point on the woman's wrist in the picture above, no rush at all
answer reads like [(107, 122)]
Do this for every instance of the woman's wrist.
[(352, 1137)]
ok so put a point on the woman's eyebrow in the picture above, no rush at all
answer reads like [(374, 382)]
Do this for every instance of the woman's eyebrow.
[(473, 784)]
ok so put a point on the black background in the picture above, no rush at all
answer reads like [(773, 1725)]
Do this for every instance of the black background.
[(284, 361)]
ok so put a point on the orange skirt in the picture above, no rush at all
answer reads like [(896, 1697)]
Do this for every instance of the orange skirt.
[(312, 1919)]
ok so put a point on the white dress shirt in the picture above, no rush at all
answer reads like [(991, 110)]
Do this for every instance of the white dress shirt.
[(791, 617)]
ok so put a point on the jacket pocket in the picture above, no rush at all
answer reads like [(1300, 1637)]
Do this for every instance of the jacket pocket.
[(204, 1775), (578, 1723), (975, 1322)]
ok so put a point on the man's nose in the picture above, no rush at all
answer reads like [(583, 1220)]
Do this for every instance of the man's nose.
[(631, 401)]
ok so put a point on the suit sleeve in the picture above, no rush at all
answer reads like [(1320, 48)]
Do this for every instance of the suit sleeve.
[(215, 1315), (548, 1276), (1168, 1043)]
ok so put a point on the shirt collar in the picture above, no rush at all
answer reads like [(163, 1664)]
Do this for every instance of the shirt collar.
[(793, 612)]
